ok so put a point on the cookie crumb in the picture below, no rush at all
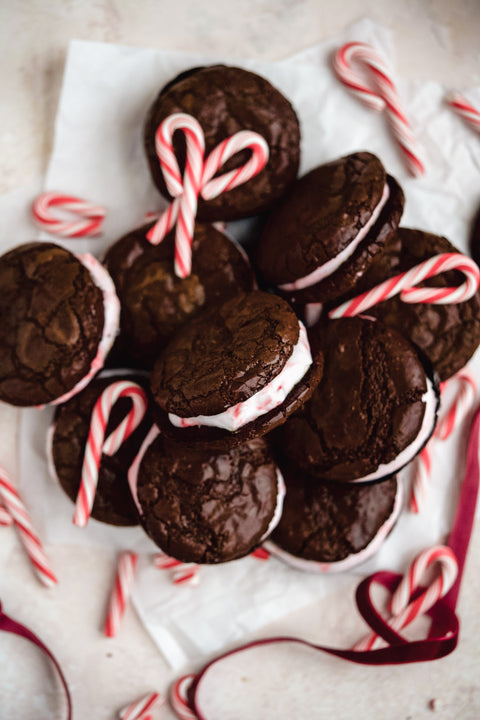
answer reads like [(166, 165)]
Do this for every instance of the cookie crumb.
[(435, 704)]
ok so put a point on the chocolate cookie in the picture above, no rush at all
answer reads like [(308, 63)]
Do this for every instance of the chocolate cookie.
[(331, 527), (447, 334), (58, 317), (226, 100), (373, 410), (235, 372), (113, 501), (328, 229), (205, 507), (155, 302), (475, 239)]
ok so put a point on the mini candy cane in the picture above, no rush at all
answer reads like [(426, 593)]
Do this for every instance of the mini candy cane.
[(183, 573), (5, 517), (384, 96), (198, 178), (463, 402), (464, 109), (16, 509), (96, 445), (178, 698), (402, 609), (139, 710), (91, 224), (404, 285), (126, 565)]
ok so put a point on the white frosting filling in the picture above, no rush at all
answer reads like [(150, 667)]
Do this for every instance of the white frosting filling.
[(270, 397), (133, 480), (111, 323), (408, 453), (328, 268), (350, 561)]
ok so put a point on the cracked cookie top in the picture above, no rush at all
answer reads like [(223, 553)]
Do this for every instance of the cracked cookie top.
[(51, 323), (225, 355)]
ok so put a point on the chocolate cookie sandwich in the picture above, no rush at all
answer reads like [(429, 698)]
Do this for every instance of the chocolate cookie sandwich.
[(328, 527), (319, 241), (205, 507), (235, 372), (448, 335), (226, 100), (66, 449), (59, 315), (371, 413), (155, 302)]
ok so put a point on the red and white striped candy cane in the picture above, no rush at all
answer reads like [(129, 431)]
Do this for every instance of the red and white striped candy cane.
[(121, 590), (16, 509), (405, 283), (383, 96), (97, 445), (421, 478), (139, 709), (178, 698), (90, 216), (5, 517), (402, 608), (183, 573), (464, 109), (198, 178), (462, 404)]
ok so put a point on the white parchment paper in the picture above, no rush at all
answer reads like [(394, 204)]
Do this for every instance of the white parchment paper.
[(98, 155)]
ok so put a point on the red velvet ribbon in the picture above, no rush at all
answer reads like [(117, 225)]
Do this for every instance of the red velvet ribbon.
[(12, 626), (441, 638)]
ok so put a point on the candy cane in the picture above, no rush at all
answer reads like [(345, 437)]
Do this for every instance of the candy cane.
[(404, 285), (96, 445), (16, 509), (464, 109), (198, 178), (462, 404), (139, 709), (179, 699), (384, 96), (183, 573), (5, 517), (120, 593), (403, 609), (91, 225)]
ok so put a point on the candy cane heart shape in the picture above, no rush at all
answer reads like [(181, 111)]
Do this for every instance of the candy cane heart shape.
[(198, 179), (88, 222), (96, 444), (403, 608), (405, 283), (383, 96)]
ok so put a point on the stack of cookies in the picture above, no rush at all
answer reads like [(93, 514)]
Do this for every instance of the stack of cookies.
[(266, 419)]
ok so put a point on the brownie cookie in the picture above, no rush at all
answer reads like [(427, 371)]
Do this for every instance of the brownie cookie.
[(113, 501), (58, 317), (332, 527), (373, 410), (328, 229), (205, 507), (447, 334), (226, 100), (155, 302), (235, 372)]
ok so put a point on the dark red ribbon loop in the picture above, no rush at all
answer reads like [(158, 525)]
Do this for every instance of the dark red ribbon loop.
[(16, 628)]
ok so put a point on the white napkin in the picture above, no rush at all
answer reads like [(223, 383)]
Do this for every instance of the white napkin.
[(98, 155)]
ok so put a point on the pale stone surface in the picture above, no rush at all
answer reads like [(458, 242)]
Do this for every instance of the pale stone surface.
[(436, 40)]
